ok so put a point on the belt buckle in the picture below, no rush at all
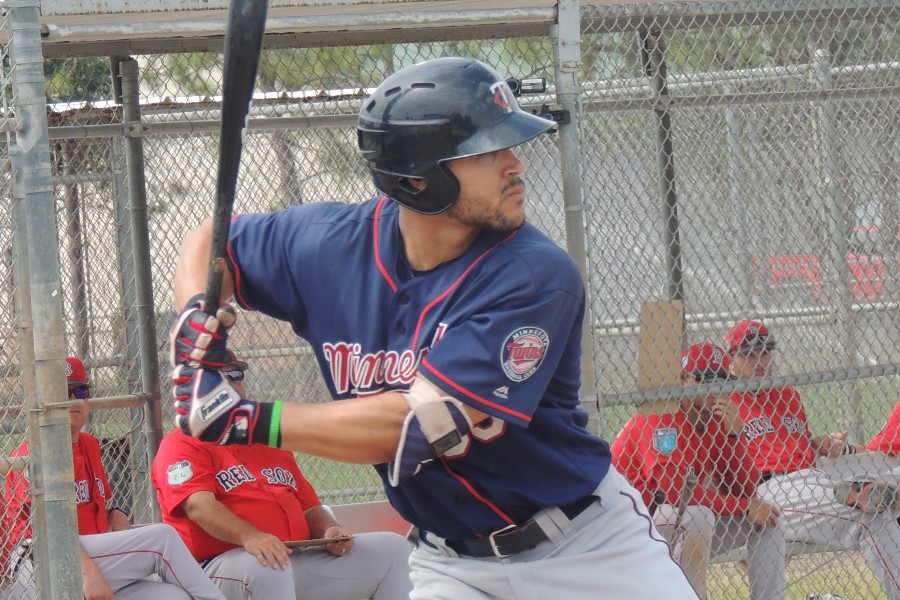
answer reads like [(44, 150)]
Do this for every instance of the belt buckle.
[(493, 541)]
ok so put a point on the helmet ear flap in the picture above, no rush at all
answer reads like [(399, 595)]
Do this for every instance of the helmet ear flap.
[(440, 192)]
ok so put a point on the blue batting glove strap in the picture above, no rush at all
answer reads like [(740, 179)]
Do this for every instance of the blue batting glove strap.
[(208, 408), (198, 339)]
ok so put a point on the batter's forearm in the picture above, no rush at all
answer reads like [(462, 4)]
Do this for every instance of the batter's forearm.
[(359, 430), (193, 266)]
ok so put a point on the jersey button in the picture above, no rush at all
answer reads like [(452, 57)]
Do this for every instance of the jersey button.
[(403, 298), (401, 328)]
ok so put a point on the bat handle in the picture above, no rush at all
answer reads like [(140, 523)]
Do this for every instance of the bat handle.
[(659, 497), (687, 491)]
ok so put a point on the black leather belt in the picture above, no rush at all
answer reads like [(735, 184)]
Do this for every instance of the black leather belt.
[(515, 538), (767, 475)]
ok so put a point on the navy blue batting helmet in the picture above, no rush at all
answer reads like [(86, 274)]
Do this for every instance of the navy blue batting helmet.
[(427, 114)]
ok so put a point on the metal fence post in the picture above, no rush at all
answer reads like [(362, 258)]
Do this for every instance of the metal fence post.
[(836, 222), (654, 64), (566, 36), (36, 217), (143, 281)]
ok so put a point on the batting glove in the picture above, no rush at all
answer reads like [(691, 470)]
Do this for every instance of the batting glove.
[(197, 339), (208, 408)]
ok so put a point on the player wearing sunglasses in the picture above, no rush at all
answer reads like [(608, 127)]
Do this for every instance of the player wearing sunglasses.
[(116, 560)]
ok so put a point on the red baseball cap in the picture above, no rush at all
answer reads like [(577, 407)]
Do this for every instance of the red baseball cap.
[(705, 361), (748, 336), (75, 371)]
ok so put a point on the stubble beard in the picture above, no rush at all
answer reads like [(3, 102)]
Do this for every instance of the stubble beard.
[(471, 211)]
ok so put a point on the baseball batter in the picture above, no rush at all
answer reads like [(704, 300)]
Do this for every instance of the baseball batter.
[(115, 559), (234, 506), (450, 329), (778, 435), (656, 452)]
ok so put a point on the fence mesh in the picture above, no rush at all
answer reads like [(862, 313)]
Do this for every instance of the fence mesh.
[(739, 159)]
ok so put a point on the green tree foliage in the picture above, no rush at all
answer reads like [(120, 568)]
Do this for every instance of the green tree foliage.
[(336, 67), (194, 72), (77, 79)]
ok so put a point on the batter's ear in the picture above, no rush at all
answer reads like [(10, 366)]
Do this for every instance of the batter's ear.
[(413, 185)]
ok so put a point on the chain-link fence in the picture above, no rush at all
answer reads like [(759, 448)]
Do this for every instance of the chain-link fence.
[(731, 161)]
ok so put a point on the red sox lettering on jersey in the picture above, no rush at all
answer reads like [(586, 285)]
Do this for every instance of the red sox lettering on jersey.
[(776, 429), (234, 476)]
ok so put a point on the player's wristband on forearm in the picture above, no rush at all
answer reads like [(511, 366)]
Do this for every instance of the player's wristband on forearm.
[(268, 424), (848, 449)]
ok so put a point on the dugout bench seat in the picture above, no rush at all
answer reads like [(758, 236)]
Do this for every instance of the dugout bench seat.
[(364, 517)]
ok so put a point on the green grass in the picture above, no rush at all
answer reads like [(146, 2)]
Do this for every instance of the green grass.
[(843, 573)]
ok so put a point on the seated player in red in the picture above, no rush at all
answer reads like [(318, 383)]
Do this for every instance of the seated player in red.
[(235, 506), (116, 559), (700, 442), (777, 433)]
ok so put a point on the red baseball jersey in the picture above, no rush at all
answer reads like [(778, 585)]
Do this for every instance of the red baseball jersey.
[(91, 493), (776, 429), (654, 453), (888, 439), (259, 484)]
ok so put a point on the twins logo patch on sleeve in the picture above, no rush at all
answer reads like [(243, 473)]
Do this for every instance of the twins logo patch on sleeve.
[(523, 352), (180, 472)]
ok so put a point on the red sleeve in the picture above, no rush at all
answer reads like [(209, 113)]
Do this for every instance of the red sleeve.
[(888, 439), (16, 509), (183, 466), (627, 457)]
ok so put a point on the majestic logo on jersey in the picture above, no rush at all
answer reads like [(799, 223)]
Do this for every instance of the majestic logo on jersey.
[(279, 476), (664, 440), (180, 472), (523, 352), (234, 476), (352, 370), (502, 392), (503, 96)]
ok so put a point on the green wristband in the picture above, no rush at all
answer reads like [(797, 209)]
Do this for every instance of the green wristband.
[(275, 425), (268, 424)]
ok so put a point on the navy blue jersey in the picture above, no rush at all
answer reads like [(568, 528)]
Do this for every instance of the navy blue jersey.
[(498, 328)]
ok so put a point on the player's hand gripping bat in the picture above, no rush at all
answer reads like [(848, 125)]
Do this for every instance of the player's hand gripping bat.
[(243, 45)]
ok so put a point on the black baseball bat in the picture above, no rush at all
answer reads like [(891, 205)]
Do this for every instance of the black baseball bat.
[(243, 45)]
